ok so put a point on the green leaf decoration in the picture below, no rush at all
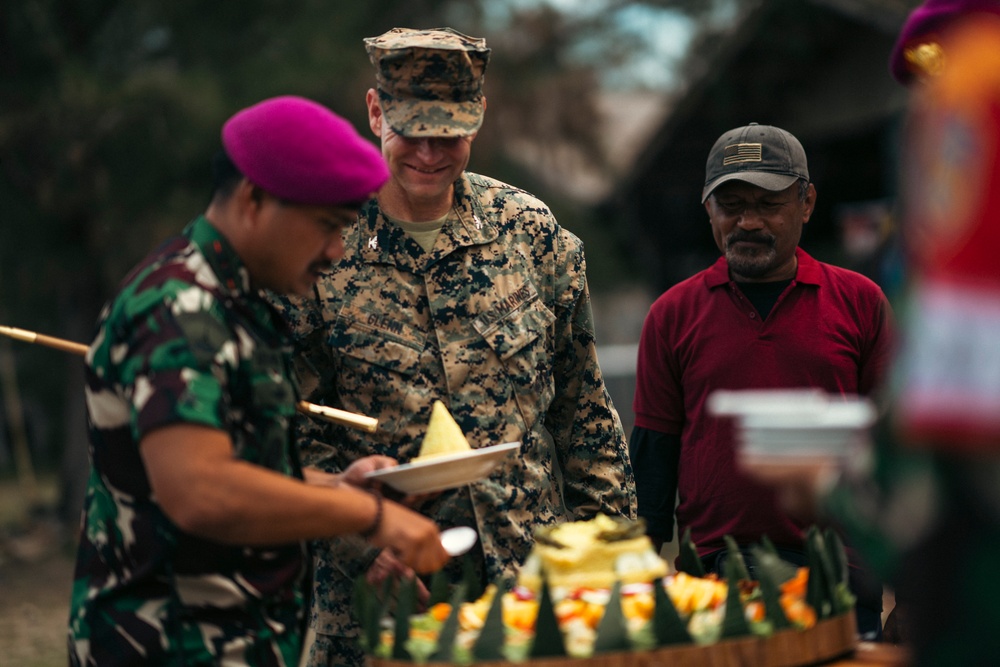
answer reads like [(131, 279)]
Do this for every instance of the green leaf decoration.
[(668, 627), (470, 578), (612, 631), (831, 576), (378, 610), (688, 560), (735, 554), (768, 545), (837, 554), (735, 622), (362, 597), (449, 630), (366, 608), (489, 645), (771, 573), (369, 607), (780, 569), (406, 605), (821, 589), (548, 637), (843, 599), (387, 585), (440, 590)]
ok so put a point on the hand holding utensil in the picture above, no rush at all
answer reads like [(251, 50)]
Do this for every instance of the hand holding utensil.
[(456, 541)]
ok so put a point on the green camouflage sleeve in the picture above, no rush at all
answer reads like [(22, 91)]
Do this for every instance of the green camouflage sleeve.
[(314, 371), (319, 440)]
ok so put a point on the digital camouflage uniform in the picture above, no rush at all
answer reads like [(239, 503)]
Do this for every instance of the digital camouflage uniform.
[(496, 322), (185, 341)]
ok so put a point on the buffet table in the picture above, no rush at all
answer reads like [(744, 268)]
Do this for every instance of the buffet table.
[(831, 643), (872, 654)]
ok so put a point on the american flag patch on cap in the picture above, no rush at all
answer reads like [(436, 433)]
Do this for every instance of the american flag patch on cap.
[(735, 153)]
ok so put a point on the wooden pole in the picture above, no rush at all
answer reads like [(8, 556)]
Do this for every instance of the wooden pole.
[(343, 417)]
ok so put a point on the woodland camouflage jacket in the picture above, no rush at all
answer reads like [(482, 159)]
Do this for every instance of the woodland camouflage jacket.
[(185, 341)]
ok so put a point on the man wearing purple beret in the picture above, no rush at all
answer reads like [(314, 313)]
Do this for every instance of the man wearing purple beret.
[(918, 52), (193, 542)]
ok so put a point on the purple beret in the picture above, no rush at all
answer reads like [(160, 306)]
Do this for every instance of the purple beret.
[(926, 23), (300, 151)]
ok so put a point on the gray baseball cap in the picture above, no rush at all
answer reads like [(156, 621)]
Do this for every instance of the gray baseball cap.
[(762, 155)]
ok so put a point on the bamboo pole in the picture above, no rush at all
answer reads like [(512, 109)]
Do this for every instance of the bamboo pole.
[(343, 417)]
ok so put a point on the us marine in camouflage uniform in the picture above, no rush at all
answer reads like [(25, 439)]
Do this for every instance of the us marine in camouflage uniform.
[(192, 548), (461, 288)]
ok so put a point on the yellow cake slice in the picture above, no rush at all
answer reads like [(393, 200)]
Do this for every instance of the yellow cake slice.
[(443, 436)]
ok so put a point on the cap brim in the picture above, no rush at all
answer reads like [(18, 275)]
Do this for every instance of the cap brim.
[(419, 118), (762, 179)]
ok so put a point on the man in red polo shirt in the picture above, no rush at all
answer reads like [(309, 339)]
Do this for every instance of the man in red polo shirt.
[(765, 315)]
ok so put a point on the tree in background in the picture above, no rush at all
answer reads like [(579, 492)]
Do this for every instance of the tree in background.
[(110, 112)]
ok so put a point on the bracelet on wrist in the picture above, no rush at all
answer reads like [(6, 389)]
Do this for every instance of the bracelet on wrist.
[(370, 532)]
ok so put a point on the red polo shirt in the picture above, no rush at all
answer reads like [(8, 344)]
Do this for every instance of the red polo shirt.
[(829, 329)]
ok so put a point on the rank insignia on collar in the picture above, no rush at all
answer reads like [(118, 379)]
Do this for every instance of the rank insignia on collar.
[(477, 222), (373, 243)]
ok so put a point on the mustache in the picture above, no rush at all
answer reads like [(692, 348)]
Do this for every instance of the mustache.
[(740, 236)]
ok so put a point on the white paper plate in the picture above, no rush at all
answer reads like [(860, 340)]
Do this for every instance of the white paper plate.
[(850, 413), (444, 472), (795, 423), (741, 402)]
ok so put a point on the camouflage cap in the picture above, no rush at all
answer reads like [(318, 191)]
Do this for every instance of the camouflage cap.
[(430, 82)]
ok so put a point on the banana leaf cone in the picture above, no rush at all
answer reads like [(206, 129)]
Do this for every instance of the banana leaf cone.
[(406, 606), (668, 626), (771, 573), (734, 623), (365, 602), (820, 589), (767, 545), (489, 645), (440, 589), (843, 600), (449, 631), (742, 572), (548, 641), (370, 606), (612, 631), (688, 560), (470, 578)]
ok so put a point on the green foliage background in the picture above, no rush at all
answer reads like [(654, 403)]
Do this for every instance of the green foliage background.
[(110, 112)]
